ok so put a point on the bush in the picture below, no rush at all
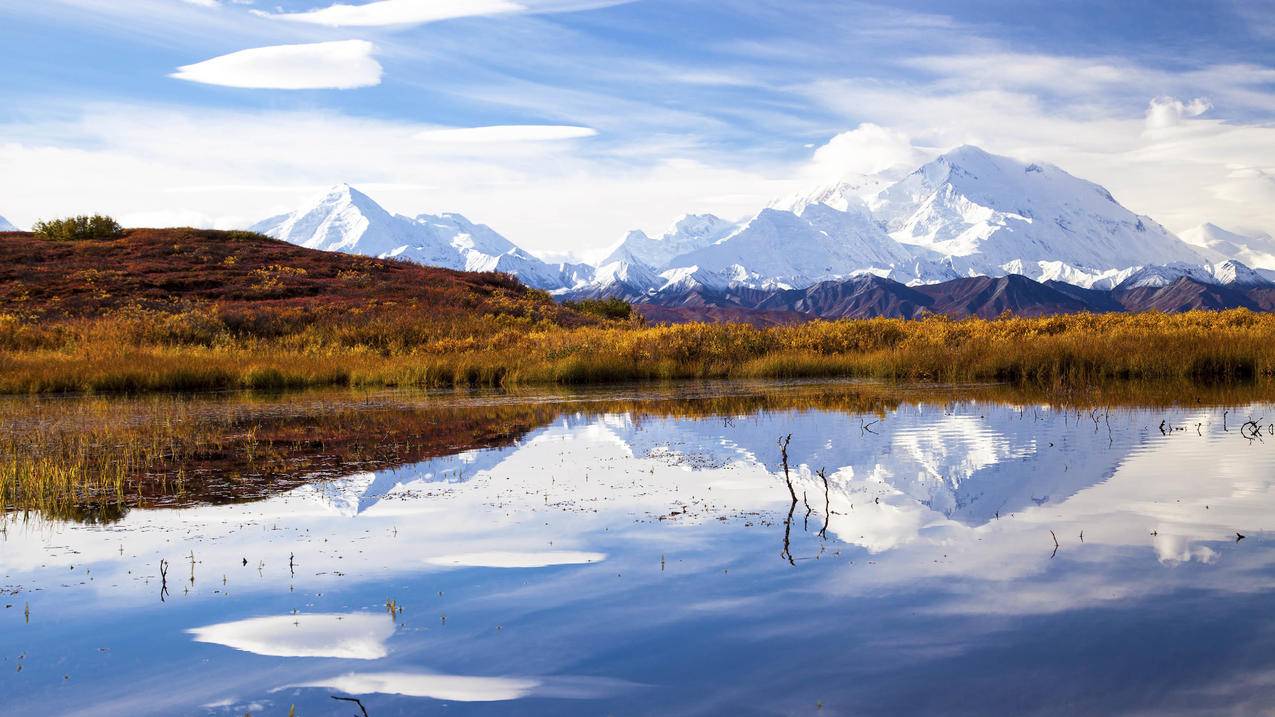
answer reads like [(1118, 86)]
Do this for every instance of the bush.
[(79, 228), (613, 309)]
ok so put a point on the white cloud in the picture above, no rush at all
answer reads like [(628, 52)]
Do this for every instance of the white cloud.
[(351, 636), (342, 65), (513, 559), (505, 133), (1165, 112), (383, 13), (454, 688), (867, 149)]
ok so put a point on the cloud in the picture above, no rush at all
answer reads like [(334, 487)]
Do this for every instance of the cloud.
[(385, 13), (507, 559), (454, 688), (341, 65), (351, 636), (506, 133), (1165, 112), (867, 149)]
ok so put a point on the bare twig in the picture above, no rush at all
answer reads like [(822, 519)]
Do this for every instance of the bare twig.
[(354, 700), (827, 505)]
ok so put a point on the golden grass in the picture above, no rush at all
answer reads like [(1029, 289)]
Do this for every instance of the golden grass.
[(137, 352)]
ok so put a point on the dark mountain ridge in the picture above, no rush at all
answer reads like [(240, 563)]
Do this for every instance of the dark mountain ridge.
[(982, 296)]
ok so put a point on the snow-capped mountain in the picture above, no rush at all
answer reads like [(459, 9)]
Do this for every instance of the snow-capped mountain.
[(1225, 273), (780, 249), (966, 213), (851, 191), (5, 226), (994, 214), (1234, 273), (691, 232), (347, 220), (1159, 275), (1219, 244)]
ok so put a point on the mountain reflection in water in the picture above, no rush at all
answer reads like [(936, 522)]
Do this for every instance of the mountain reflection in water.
[(971, 551)]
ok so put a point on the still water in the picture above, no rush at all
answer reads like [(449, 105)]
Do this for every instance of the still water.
[(630, 557)]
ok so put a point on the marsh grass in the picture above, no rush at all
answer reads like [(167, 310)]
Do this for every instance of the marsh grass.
[(140, 352)]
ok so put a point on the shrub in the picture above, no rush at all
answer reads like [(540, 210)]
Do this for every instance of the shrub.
[(613, 309), (79, 228)]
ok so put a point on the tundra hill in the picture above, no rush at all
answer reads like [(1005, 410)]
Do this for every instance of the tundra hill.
[(247, 275)]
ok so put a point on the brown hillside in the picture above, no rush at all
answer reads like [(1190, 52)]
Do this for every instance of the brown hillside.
[(241, 273)]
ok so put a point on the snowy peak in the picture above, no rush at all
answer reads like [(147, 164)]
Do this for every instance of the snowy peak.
[(340, 219), (347, 220), (1218, 244), (780, 249), (1234, 273), (691, 232), (850, 192), (1161, 275), (5, 226), (995, 210)]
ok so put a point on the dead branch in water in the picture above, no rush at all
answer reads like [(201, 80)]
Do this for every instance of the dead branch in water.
[(354, 700), (827, 505), (786, 553)]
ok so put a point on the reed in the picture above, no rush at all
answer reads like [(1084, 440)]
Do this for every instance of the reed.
[(199, 350)]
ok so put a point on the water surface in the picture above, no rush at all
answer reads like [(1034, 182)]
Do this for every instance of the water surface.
[(621, 552)]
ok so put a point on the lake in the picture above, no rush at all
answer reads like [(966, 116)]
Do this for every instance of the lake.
[(691, 549)]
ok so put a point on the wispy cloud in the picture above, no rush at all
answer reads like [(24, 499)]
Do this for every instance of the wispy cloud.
[(342, 65), (506, 133), (387, 13)]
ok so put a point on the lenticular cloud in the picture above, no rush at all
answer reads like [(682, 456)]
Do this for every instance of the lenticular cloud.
[(324, 65)]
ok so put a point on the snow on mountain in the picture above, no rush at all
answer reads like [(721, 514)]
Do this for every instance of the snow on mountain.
[(1219, 244), (996, 213), (1234, 273), (5, 226), (852, 191), (966, 213), (691, 232), (347, 220), (1159, 275), (628, 279), (780, 249), (1226, 273)]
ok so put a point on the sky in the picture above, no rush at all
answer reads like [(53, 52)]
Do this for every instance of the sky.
[(563, 124)]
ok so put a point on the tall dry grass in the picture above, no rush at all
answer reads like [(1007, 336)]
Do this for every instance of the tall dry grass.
[(136, 352)]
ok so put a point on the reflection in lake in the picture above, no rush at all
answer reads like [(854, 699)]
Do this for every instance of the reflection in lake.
[(953, 551)]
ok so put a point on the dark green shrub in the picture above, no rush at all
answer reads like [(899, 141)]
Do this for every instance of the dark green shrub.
[(613, 309), (79, 228)]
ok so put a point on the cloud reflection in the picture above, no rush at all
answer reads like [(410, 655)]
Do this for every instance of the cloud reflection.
[(510, 559), (456, 688), (352, 636)]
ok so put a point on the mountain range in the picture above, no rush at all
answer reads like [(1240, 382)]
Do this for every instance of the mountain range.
[(5, 226), (967, 214)]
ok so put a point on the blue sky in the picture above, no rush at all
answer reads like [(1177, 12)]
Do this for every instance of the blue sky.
[(619, 115)]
